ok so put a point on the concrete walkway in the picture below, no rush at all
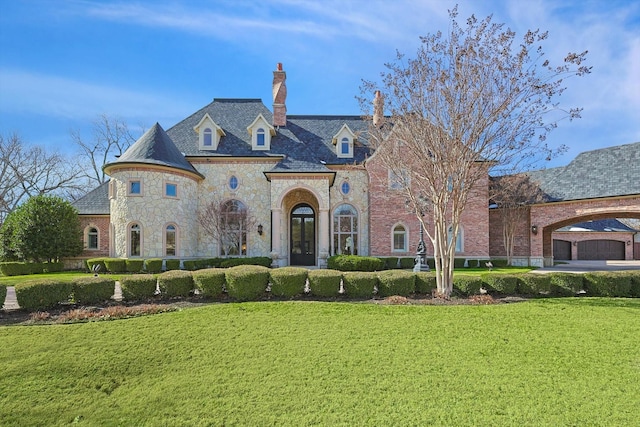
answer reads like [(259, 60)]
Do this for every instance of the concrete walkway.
[(587, 266)]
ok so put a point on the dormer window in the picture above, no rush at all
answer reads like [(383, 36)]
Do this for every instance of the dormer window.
[(261, 132), (209, 133), (344, 141)]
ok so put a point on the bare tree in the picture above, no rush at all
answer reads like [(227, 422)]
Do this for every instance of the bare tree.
[(27, 171), (227, 222), (111, 138), (513, 196), (472, 99)]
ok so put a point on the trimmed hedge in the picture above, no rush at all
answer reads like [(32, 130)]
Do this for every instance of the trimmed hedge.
[(635, 283), (325, 283), (396, 282), (176, 283), (407, 263), (425, 282), (354, 263), (92, 290), (391, 262), (504, 284), (138, 286), (459, 262), (262, 261), (468, 285), (534, 284), (134, 265), (3, 293), (288, 282), (42, 294), (210, 282), (172, 264), (359, 284), (14, 268), (116, 265), (607, 284), (153, 265), (565, 284), (97, 261), (247, 282)]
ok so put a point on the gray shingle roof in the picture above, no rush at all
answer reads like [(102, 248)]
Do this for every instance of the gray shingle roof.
[(600, 225), (95, 202), (155, 147), (607, 172), (305, 143)]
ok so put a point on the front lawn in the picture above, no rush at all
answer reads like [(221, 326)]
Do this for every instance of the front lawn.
[(573, 361)]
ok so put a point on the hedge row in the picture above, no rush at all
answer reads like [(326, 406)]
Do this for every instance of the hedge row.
[(363, 263), (15, 268), (254, 282), (155, 265)]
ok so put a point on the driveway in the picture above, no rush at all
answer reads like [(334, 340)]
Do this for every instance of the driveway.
[(587, 266)]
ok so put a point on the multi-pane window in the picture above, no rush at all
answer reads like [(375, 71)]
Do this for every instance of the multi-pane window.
[(458, 238), (345, 230), (135, 241), (344, 145), (398, 181), (233, 230), (233, 183), (399, 239), (345, 188), (92, 238), (170, 240), (260, 137)]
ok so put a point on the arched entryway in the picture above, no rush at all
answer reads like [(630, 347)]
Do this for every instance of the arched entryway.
[(302, 232)]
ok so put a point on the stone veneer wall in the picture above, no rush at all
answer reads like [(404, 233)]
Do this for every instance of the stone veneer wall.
[(253, 191), (153, 211)]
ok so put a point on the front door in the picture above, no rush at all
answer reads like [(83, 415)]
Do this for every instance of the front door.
[(303, 235)]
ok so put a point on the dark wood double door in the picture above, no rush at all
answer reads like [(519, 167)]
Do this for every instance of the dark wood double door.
[(303, 235)]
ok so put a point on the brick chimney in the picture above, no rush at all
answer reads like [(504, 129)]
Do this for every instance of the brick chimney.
[(279, 96), (378, 109)]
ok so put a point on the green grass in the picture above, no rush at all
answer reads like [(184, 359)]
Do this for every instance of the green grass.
[(65, 276), (573, 361)]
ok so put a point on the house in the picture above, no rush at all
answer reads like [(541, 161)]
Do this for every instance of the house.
[(297, 188)]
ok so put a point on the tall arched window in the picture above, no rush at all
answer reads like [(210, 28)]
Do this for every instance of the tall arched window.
[(399, 239), (344, 146), (92, 238), (459, 237), (345, 230), (233, 230), (135, 240), (260, 141), (170, 240), (207, 137)]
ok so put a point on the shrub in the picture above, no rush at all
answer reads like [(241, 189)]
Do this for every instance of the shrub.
[(635, 283), (92, 290), (325, 283), (359, 284), (172, 264), (210, 282), (41, 294), (14, 268), (468, 285), (391, 262), (390, 282), (565, 284), (425, 282), (532, 284), (431, 263), (505, 284), (134, 265), (97, 261), (473, 263), (288, 282), (262, 261), (407, 263), (175, 283), (354, 263), (3, 293), (459, 262), (499, 262), (153, 265), (52, 267), (138, 286), (607, 284), (191, 264), (247, 282), (116, 265)]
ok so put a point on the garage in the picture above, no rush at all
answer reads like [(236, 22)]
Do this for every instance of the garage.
[(601, 250), (561, 250)]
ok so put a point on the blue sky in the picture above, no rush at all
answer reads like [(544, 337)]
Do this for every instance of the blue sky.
[(65, 62)]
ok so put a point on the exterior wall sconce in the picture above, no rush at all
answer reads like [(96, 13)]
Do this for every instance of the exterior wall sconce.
[(260, 229), (534, 229), (575, 243), (628, 242)]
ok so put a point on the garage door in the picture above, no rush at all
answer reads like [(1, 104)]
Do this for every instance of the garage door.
[(561, 250), (600, 249)]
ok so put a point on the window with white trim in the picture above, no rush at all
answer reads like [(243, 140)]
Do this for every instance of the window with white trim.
[(345, 230), (170, 240), (459, 238), (171, 189), (233, 236), (92, 238), (134, 187), (399, 238), (261, 133), (135, 240)]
